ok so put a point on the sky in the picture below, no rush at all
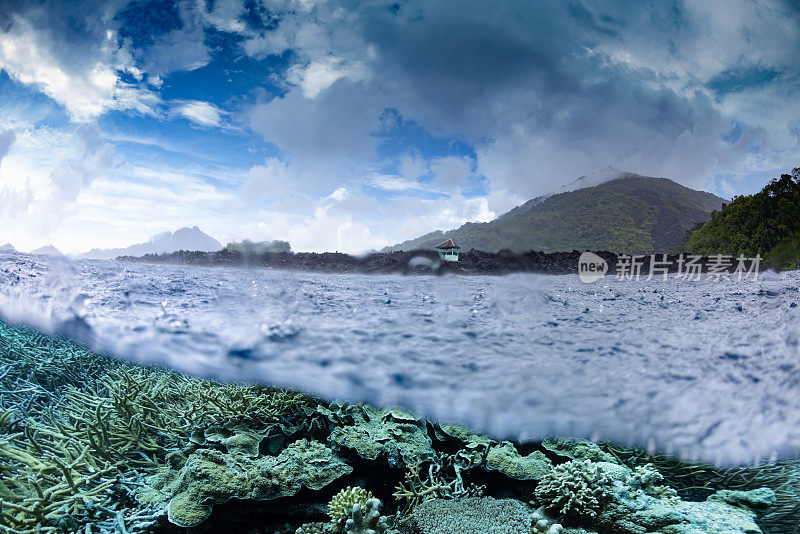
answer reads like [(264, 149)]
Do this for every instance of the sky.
[(354, 125)]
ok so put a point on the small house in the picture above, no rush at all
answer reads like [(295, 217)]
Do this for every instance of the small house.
[(448, 250)]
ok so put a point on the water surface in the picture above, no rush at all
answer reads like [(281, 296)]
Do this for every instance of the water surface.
[(704, 369)]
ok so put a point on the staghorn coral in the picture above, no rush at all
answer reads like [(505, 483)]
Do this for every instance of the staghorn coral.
[(443, 480), (6, 419), (575, 488), (342, 503), (62, 461), (81, 431), (188, 405)]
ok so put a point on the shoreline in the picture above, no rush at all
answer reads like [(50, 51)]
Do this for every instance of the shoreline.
[(415, 262)]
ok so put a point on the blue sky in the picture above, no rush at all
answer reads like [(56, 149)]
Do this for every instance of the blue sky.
[(353, 125)]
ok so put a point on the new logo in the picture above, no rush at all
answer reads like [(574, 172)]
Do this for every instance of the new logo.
[(591, 267)]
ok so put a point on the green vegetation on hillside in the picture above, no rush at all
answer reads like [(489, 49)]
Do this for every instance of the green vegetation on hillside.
[(766, 223), (635, 215)]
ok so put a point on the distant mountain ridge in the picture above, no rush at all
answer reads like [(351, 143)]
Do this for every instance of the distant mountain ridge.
[(609, 210), (47, 250), (185, 238)]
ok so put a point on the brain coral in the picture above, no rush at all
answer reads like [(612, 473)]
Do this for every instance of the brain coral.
[(577, 488)]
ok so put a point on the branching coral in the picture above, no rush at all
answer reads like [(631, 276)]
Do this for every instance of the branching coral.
[(342, 503), (442, 480), (575, 488), (62, 459), (81, 430), (366, 518)]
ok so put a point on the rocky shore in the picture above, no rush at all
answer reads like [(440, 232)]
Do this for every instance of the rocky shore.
[(473, 262)]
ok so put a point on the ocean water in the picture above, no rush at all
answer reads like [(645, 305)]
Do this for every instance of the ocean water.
[(707, 370)]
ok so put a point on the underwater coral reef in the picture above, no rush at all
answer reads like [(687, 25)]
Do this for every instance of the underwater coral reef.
[(93, 445)]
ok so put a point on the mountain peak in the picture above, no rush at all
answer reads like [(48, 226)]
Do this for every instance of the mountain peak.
[(47, 250), (186, 238), (596, 178), (609, 209)]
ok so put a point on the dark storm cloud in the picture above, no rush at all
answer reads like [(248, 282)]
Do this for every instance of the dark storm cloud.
[(639, 85)]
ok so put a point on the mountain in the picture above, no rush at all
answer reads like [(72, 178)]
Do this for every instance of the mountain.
[(596, 178), (7, 248), (608, 210), (47, 250), (192, 239)]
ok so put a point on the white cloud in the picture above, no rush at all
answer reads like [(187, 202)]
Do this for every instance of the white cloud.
[(412, 166), (42, 177), (182, 49), (390, 182), (226, 15), (451, 172), (411, 217), (7, 138), (337, 221), (86, 88), (327, 139), (321, 74), (197, 111)]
